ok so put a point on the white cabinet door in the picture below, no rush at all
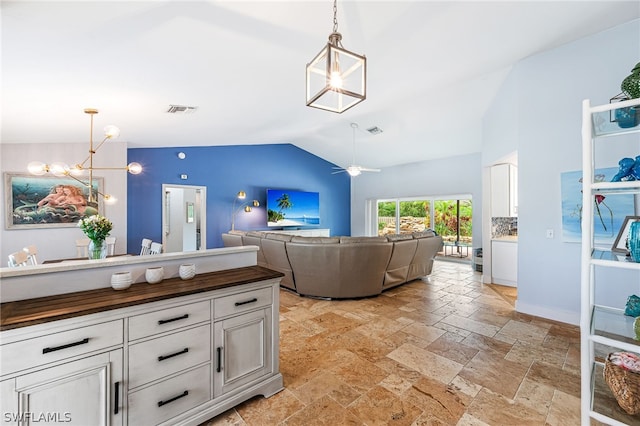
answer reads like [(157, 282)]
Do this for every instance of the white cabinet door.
[(242, 350), (85, 392), (504, 190), (504, 263)]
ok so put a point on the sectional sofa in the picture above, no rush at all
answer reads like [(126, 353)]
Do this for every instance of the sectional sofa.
[(342, 267)]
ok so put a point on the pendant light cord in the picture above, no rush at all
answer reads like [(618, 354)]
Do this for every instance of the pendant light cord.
[(335, 16)]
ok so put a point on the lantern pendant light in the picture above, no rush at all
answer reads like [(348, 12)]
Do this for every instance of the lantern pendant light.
[(336, 77)]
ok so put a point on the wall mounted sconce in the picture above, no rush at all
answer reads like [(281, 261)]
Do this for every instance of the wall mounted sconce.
[(246, 206)]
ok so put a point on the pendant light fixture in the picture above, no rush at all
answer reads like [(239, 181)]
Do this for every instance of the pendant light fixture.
[(60, 169), (336, 77)]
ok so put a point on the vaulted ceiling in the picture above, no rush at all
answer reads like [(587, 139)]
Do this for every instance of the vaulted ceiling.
[(242, 63)]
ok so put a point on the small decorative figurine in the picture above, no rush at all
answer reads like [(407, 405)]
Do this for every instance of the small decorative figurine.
[(626, 170)]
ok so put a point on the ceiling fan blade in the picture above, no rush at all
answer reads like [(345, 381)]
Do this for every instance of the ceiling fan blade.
[(364, 169), (338, 171)]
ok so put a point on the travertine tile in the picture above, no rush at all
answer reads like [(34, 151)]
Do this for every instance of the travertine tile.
[(322, 412), (426, 363), (382, 407), (498, 375), (443, 402), (451, 351), (564, 410), (471, 325), (494, 409)]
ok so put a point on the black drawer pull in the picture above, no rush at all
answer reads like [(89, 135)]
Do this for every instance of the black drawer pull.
[(219, 359), (163, 357), (68, 345), (116, 398), (182, 395), (185, 316), (248, 301)]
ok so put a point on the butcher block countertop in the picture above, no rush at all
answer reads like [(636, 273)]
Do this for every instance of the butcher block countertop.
[(39, 310)]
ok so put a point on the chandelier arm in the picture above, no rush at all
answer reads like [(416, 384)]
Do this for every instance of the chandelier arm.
[(85, 184), (93, 151)]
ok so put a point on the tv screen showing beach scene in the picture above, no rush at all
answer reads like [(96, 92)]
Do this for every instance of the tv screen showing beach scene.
[(292, 208)]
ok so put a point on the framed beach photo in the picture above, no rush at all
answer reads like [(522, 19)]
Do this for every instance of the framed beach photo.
[(620, 244), (48, 201)]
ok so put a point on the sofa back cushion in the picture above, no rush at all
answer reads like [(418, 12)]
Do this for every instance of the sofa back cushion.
[(278, 237), (401, 257), (424, 234), (339, 270), (357, 240), (398, 237), (315, 240)]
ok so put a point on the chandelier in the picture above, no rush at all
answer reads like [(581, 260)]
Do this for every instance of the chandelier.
[(336, 77), (60, 169)]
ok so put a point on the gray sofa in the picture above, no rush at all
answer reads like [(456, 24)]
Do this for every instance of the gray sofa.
[(342, 267)]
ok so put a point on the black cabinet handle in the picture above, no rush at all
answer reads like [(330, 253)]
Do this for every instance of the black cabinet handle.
[(163, 357), (68, 345), (116, 398), (248, 301), (219, 361), (182, 395), (185, 316)]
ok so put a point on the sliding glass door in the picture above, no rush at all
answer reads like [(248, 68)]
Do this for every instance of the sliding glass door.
[(449, 217)]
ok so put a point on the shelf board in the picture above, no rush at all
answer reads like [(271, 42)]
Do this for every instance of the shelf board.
[(615, 187), (612, 323), (601, 118), (613, 259)]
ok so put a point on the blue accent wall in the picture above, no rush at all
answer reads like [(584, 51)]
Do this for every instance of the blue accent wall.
[(225, 170)]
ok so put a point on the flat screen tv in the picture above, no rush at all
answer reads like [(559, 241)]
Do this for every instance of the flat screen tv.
[(286, 207)]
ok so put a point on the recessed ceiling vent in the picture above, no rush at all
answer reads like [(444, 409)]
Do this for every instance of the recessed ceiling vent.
[(181, 109), (375, 130)]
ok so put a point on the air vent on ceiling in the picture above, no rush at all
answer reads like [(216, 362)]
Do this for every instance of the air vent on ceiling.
[(375, 130), (181, 109)]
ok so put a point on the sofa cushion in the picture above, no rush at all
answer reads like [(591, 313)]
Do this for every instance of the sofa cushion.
[(315, 240), (398, 237), (259, 234), (236, 232), (278, 237), (424, 234), (355, 240)]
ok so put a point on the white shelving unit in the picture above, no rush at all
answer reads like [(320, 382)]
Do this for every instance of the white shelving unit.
[(602, 328)]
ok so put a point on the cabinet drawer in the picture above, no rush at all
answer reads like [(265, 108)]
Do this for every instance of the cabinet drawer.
[(57, 346), (242, 302), (168, 319), (154, 359), (167, 399)]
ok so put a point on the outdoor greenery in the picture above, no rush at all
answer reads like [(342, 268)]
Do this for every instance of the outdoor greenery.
[(446, 217), (445, 214)]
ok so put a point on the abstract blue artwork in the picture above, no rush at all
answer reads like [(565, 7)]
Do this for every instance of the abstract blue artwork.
[(609, 210)]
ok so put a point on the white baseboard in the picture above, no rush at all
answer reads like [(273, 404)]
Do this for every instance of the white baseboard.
[(552, 314)]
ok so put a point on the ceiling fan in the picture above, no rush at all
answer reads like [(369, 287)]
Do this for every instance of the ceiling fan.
[(354, 169)]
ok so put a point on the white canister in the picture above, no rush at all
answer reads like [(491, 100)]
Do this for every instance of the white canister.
[(121, 280), (187, 271), (154, 275)]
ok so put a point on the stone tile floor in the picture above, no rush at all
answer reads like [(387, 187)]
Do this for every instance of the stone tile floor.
[(450, 351)]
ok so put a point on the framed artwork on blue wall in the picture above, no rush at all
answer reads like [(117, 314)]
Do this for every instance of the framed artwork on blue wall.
[(47, 201), (609, 210)]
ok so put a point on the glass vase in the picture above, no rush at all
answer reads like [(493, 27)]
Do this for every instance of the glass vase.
[(97, 249), (634, 241)]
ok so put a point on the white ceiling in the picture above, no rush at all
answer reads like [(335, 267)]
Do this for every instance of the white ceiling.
[(433, 69)]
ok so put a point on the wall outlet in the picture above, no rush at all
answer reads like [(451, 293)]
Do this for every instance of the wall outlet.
[(549, 233)]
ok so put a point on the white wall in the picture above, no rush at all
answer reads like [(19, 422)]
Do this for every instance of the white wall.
[(447, 176), (538, 113), (56, 243)]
